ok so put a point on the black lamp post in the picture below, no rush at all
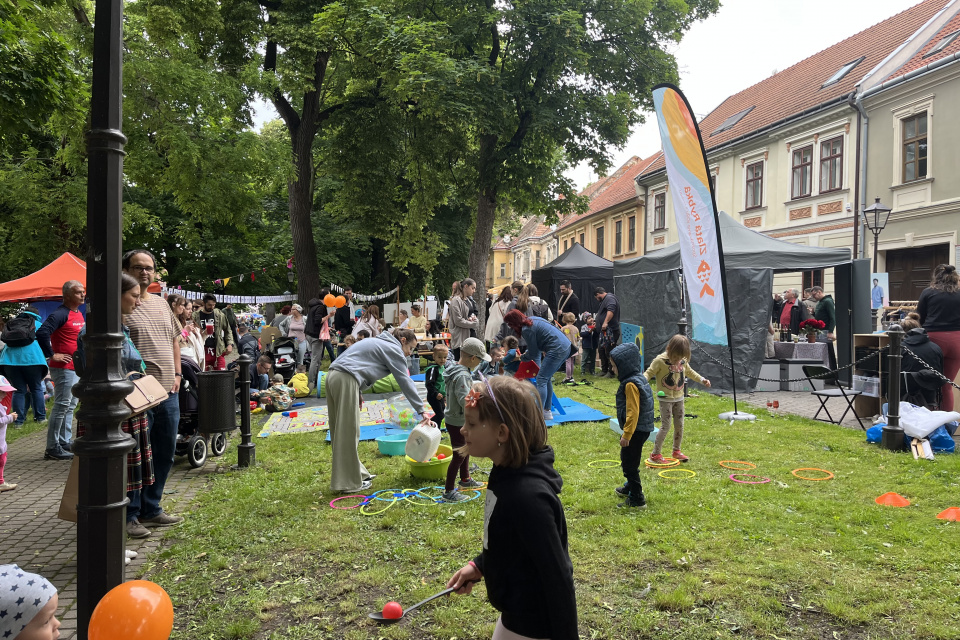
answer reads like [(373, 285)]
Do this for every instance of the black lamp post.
[(102, 451), (876, 217)]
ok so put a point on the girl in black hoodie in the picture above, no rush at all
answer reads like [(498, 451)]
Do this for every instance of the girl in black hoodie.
[(524, 559)]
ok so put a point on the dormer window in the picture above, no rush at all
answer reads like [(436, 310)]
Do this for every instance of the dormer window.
[(943, 44), (841, 72), (730, 122)]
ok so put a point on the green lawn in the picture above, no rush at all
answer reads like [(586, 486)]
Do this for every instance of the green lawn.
[(263, 556)]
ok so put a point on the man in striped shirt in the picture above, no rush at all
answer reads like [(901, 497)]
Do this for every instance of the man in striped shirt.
[(155, 332)]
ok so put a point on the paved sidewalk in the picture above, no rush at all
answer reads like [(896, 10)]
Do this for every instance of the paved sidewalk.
[(803, 404), (33, 537)]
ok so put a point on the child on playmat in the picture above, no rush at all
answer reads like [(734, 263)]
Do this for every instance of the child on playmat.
[(433, 379), (299, 382), (524, 559), (670, 369), (457, 380), (635, 414)]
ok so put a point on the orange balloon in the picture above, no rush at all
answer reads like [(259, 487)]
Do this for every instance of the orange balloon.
[(339, 301), (135, 610), (328, 300)]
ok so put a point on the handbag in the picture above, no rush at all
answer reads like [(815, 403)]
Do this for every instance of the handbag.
[(147, 393)]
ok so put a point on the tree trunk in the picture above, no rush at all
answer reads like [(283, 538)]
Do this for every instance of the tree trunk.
[(300, 195), (483, 231)]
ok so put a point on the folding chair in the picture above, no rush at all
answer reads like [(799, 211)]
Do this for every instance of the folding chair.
[(819, 372)]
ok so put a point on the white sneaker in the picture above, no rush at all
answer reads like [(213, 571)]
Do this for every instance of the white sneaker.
[(130, 553), (547, 416)]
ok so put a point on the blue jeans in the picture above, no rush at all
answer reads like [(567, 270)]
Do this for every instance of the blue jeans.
[(28, 380), (60, 428), (552, 362), (162, 421)]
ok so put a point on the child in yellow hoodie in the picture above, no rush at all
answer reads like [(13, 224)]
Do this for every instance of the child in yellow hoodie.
[(670, 369), (299, 382)]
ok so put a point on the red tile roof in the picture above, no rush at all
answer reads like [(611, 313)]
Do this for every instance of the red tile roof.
[(918, 61), (618, 189), (800, 87)]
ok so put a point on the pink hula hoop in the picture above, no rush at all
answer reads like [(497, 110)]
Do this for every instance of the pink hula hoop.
[(747, 475), (333, 506)]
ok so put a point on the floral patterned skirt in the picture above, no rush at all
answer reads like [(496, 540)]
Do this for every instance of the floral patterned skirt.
[(140, 460)]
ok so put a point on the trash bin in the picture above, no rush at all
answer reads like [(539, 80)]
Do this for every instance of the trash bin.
[(217, 400)]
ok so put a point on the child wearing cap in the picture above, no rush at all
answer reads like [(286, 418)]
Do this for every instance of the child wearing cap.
[(5, 419), (458, 381), (28, 603)]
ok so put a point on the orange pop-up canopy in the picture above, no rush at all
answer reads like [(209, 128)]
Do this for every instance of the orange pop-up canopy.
[(47, 283)]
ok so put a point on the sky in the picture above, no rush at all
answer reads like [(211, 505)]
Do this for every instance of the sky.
[(745, 42)]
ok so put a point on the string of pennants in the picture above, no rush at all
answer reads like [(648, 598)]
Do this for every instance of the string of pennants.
[(362, 297), (197, 295)]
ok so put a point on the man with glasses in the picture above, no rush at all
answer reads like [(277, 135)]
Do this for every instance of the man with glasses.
[(155, 334)]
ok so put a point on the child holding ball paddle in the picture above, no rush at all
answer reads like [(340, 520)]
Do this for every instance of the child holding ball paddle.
[(524, 559)]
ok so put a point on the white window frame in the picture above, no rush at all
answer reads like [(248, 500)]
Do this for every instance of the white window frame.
[(901, 113)]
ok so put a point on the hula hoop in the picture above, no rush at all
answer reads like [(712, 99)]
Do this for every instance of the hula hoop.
[(725, 466), (596, 464), (439, 499), (399, 496), (828, 477), (362, 502), (658, 465), (364, 511), (746, 475), (692, 474)]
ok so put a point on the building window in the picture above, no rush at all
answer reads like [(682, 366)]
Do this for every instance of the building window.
[(915, 147), (660, 211), (599, 233), (812, 279), (754, 185), (632, 233), (831, 165), (582, 243), (503, 269), (802, 172), (565, 246), (841, 72), (537, 260), (618, 238), (713, 183)]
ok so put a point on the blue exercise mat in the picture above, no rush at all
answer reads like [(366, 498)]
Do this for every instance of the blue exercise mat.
[(576, 412), (420, 377)]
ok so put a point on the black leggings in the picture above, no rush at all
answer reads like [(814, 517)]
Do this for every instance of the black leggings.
[(630, 458), (459, 461)]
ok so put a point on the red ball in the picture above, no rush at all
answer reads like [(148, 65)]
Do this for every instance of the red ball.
[(392, 610), (441, 456)]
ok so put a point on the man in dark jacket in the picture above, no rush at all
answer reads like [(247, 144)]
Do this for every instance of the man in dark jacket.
[(793, 313), (343, 319), (568, 303), (826, 312), (248, 343)]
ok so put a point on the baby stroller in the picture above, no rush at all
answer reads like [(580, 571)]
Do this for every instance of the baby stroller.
[(190, 442), (284, 352)]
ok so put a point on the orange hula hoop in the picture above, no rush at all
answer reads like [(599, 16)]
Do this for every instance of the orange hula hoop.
[(748, 468), (828, 477)]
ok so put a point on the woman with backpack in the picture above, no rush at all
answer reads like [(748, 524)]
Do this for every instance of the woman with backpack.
[(24, 365), (532, 305)]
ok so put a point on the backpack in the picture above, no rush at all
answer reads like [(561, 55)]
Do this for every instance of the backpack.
[(20, 332), (539, 309)]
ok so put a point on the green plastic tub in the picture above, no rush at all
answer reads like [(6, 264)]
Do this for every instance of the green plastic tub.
[(433, 470)]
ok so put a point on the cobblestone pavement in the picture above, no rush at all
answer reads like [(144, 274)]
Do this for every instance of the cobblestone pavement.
[(802, 403), (33, 537)]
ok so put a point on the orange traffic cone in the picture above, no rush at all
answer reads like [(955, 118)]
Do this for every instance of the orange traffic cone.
[(892, 500), (953, 513)]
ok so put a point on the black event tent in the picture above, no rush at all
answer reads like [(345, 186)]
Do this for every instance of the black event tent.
[(583, 268), (649, 291)]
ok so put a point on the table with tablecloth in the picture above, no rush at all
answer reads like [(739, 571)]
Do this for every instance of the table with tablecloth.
[(802, 351)]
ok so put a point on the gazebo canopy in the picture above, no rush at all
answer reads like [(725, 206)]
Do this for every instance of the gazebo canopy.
[(47, 283)]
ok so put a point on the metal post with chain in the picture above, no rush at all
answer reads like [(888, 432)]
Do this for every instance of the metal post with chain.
[(892, 436)]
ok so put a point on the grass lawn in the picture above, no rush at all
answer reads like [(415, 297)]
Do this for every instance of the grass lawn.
[(262, 555)]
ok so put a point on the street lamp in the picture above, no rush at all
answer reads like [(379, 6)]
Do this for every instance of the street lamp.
[(876, 216), (290, 277)]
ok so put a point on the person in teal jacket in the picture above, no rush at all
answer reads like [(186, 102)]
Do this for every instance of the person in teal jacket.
[(26, 368)]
